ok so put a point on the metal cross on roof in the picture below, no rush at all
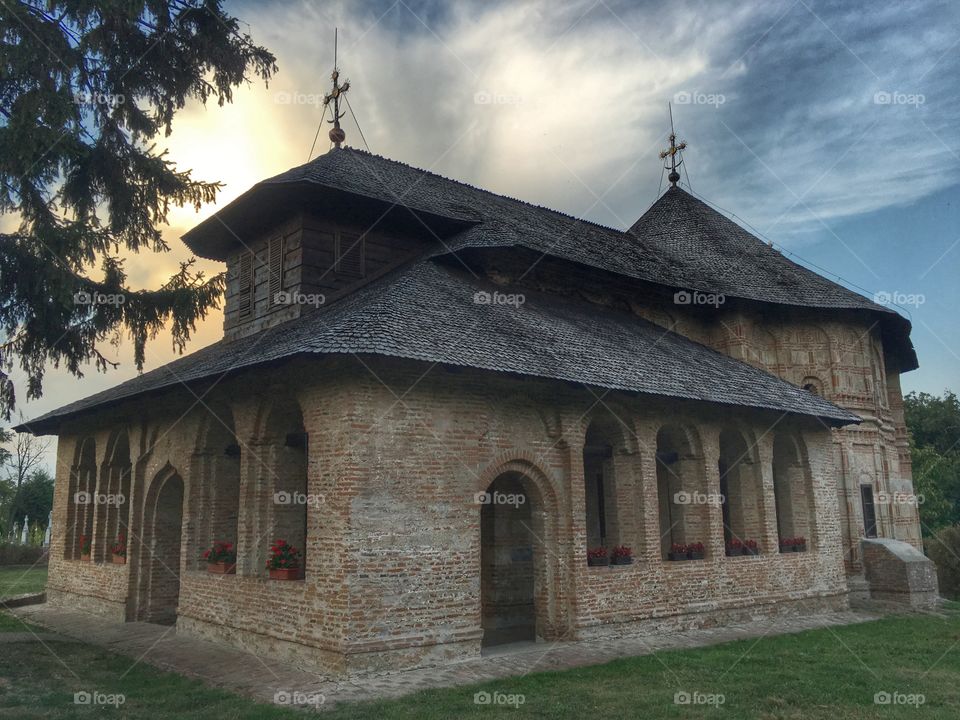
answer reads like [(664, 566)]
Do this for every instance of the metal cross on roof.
[(337, 135), (672, 152)]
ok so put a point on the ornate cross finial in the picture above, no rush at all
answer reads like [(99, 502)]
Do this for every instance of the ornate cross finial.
[(672, 152), (337, 135)]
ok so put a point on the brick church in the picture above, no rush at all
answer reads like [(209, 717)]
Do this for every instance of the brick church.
[(481, 421)]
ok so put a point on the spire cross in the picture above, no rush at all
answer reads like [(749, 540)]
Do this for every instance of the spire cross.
[(672, 152), (337, 135)]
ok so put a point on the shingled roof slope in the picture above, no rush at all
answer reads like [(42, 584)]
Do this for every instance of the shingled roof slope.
[(680, 241), (427, 312)]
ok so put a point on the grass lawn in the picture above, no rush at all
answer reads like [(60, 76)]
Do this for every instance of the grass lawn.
[(21, 579), (831, 674)]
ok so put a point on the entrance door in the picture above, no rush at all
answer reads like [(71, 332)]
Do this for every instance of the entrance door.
[(507, 563), (160, 563)]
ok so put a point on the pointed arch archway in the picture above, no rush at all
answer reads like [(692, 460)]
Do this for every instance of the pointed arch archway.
[(521, 568), (160, 560)]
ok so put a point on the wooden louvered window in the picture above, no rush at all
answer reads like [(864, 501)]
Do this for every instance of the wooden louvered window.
[(350, 254), (245, 285), (275, 267)]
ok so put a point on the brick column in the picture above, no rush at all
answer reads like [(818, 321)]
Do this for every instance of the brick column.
[(710, 438), (769, 539), (649, 532)]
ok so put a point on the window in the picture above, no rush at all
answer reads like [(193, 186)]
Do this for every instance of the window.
[(217, 495), (80, 502), (869, 511), (740, 487), (792, 489), (287, 443), (245, 285), (682, 501), (600, 483), (350, 254), (275, 267)]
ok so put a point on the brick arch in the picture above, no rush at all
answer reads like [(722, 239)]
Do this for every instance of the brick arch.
[(550, 555), (112, 517), (681, 484), (80, 493), (793, 487), (160, 551), (741, 484)]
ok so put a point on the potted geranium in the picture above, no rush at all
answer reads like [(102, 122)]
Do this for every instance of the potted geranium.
[(678, 551), (597, 556), (118, 550), (284, 561), (221, 558), (735, 547), (750, 547), (695, 551), (621, 555), (85, 543)]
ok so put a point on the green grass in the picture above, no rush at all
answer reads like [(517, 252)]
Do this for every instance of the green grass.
[(22, 579), (830, 674)]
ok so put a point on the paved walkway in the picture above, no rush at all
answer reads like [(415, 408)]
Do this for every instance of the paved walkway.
[(243, 672)]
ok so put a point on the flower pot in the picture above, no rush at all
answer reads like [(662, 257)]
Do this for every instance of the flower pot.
[(598, 562), (695, 555), (84, 557), (286, 573), (677, 556), (222, 568), (118, 559), (621, 561)]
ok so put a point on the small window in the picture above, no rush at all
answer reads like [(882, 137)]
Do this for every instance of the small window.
[(869, 511), (811, 388), (245, 282), (350, 254), (275, 268)]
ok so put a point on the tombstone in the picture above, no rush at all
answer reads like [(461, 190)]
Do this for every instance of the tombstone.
[(46, 535), (25, 533)]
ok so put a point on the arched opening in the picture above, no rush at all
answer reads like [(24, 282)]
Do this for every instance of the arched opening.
[(742, 491), (682, 501), (217, 492), (600, 482), (286, 442), (510, 551), (792, 492), (81, 500), (160, 563)]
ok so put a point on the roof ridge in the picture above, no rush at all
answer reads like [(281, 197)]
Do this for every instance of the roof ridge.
[(467, 185)]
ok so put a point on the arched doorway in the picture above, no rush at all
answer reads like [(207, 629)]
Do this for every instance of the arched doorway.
[(508, 562), (160, 559)]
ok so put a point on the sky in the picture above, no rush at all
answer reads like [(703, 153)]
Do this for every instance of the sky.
[(831, 129)]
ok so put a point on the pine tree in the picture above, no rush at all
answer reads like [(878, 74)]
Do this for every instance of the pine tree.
[(85, 90)]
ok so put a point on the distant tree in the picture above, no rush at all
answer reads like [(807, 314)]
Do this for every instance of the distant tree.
[(34, 499), (86, 88), (934, 424)]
